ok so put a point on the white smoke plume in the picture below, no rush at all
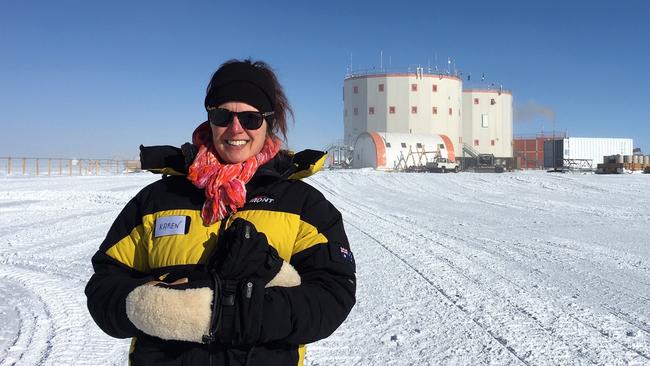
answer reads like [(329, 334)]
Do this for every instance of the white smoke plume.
[(531, 111)]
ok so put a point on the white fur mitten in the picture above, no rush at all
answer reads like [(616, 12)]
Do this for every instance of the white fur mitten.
[(184, 314)]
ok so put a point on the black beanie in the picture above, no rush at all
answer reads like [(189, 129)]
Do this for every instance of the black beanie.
[(241, 82)]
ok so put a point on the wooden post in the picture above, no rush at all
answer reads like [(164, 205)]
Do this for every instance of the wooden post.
[(70, 167), (81, 162), (49, 167), (60, 167), (96, 167), (9, 166), (37, 167), (24, 166)]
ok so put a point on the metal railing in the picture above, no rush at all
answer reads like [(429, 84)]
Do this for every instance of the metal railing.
[(25, 166), (419, 70), (470, 150), (543, 135)]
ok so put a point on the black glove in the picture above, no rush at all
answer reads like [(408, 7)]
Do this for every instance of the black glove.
[(243, 263), (244, 253), (241, 312)]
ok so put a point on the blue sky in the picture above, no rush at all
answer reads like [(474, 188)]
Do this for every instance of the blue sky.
[(95, 79)]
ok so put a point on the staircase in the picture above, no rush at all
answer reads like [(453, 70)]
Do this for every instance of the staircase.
[(470, 150)]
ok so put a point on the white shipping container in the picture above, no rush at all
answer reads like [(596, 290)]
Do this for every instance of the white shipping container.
[(595, 149)]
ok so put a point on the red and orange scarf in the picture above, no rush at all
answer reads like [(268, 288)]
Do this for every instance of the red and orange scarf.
[(224, 184)]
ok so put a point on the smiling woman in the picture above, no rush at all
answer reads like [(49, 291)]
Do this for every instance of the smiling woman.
[(246, 108), (196, 268)]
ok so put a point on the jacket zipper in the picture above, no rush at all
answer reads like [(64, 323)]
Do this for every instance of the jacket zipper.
[(215, 317)]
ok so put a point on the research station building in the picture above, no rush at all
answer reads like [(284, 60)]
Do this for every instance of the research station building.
[(382, 108)]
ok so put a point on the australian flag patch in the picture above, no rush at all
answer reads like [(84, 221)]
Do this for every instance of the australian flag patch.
[(346, 254), (342, 255)]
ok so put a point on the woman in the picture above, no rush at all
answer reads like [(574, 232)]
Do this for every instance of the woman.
[(237, 262)]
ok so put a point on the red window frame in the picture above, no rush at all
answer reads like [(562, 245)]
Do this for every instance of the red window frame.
[(391, 109), (414, 87), (475, 100), (414, 109), (380, 88), (371, 110), (476, 142), (434, 110), (492, 142), (434, 88), (451, 112)]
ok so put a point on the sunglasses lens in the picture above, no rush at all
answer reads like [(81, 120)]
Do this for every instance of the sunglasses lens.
[(219, 117), (250, 120), (222, 117)]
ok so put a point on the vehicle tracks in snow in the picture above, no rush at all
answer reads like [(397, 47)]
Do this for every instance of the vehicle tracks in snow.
[(598, 347), (441, 292), (32, 342), (364, 213), (54, 326)]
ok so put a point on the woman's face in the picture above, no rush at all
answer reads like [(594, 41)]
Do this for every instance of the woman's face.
[(233, 143)]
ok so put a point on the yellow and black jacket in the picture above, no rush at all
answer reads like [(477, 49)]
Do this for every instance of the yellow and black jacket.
[(305, 229)]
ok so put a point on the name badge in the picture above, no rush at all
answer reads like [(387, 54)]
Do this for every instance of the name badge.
[(171, 225)]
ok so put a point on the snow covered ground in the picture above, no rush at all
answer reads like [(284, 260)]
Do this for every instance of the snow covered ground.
[(515, 268)]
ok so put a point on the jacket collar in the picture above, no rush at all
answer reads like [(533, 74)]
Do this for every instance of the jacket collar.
[(171, 160)]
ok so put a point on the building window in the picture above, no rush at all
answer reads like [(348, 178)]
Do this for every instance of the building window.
[(493, 102), (355, 90), (381, 87), (418, 145), (475, 100), (371, 110), (387, 144), (441, 146), (476, 142), (356, 111), (450, 111), (492, 142), (414, 87), (414, 110), (391, 110), (434, 88), (485, 121), (404, 144), (435, 110)]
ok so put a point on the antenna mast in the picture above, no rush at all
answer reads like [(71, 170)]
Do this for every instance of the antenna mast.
[(350, 62)]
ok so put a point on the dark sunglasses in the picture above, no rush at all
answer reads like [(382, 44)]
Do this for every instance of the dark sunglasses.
[(249, 120)]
